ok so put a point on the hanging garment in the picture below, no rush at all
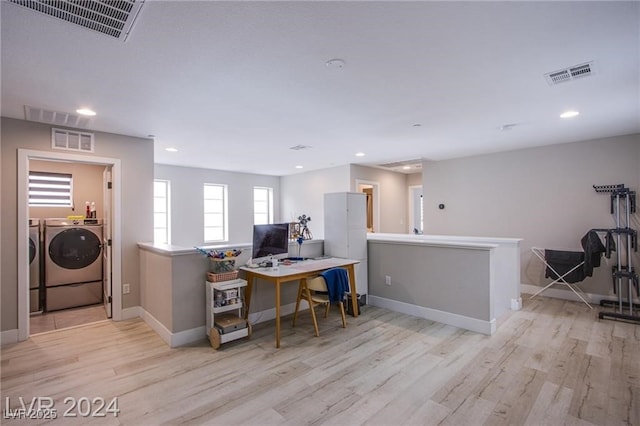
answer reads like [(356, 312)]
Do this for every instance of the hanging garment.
[(593, 249)]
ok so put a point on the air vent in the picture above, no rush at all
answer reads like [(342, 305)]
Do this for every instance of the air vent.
[(114, 18), (55, 117), (571, 73), (70, 140), (403, 166), (299, 147)]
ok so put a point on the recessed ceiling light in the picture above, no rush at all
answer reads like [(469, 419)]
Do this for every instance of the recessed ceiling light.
[(299, 167), (569, 114), (171, 149), (360, 154), (406, 167), (86, 111)]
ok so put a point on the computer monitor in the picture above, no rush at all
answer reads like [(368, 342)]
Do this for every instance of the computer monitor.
[(270, 241)]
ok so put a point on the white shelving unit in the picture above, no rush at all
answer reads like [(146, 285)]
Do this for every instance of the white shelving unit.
[(225, 299)]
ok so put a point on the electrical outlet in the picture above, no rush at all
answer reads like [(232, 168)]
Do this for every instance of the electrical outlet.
[(387, 280), (126, 288)]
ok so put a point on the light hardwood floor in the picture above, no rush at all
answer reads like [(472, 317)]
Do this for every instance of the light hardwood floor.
[(48, 321), (552, 363)]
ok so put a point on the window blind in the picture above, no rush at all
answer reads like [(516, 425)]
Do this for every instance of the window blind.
[(50, 189)]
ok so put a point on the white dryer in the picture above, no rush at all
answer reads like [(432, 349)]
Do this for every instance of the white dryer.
[(34, 265), (73, 263)]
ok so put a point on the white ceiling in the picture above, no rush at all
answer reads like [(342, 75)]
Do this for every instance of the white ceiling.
[(234, 85)]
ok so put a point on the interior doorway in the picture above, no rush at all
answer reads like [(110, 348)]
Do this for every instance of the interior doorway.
[(416, 215), (24, 158), (372, 192)]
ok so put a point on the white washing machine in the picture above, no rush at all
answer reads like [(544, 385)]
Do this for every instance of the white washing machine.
[(34, 265), (73, 263)]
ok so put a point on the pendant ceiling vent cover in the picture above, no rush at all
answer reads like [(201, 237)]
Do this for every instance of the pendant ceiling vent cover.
[(571, 73), (114, 18)]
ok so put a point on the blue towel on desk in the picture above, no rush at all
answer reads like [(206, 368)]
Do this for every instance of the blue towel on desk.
[(337, 283)]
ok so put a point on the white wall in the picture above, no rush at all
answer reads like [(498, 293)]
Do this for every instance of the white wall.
[(303, 193), (187, 205), (543, 195)]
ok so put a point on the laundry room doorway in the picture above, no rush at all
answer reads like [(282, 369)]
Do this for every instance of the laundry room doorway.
[(371, 190), (80, 296)]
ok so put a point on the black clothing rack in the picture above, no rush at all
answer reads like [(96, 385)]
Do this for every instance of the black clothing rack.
[(623, 204)]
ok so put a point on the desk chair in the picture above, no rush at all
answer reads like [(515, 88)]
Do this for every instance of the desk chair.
[(314, 291)]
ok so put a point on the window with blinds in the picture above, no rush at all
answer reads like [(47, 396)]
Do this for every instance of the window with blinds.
[(50, 189)]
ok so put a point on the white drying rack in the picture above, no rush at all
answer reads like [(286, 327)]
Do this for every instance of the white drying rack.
[(539, 252)]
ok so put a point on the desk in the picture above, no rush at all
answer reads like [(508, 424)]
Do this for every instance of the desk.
[(297, 271)]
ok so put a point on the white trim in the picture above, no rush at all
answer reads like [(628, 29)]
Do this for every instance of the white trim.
[(468, 323), (559, 293), (376, 200), (131, 313), (197, 334), (24, 156), (157, 326), (8, 337), (412, 218)]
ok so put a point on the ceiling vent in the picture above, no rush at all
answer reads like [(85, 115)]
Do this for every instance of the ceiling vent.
[(407, 166), (568, 74), (55, 117), (299, 147), (114, 18)]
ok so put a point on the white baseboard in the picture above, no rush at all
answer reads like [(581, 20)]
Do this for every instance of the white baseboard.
[(9, 336), (557, 292), (199, 333), (468, 323), (174, 340), (131, 313)]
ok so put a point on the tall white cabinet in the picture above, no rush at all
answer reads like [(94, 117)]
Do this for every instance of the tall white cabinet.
[(345, 231)]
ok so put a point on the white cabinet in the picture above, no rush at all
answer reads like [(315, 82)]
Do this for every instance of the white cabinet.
[(345, 231), (225, 313)]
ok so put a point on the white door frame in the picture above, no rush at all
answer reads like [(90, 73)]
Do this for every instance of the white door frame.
[(376, 200), (411, 207), (24, 156)]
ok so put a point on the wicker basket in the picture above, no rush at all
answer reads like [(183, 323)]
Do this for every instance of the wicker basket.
[(225, 276)]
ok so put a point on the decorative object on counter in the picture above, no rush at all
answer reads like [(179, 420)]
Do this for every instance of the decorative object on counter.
[(294, 231), (299, 240), (304, 231), (223, 264)]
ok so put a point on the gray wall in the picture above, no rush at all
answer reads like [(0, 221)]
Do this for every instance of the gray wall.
[(136, 155), (187, 206), (431, 277), (543, 195)]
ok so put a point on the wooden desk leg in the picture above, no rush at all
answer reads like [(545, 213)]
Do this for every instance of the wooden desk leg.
[(277, 313), (247, 294), (352, 283)]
